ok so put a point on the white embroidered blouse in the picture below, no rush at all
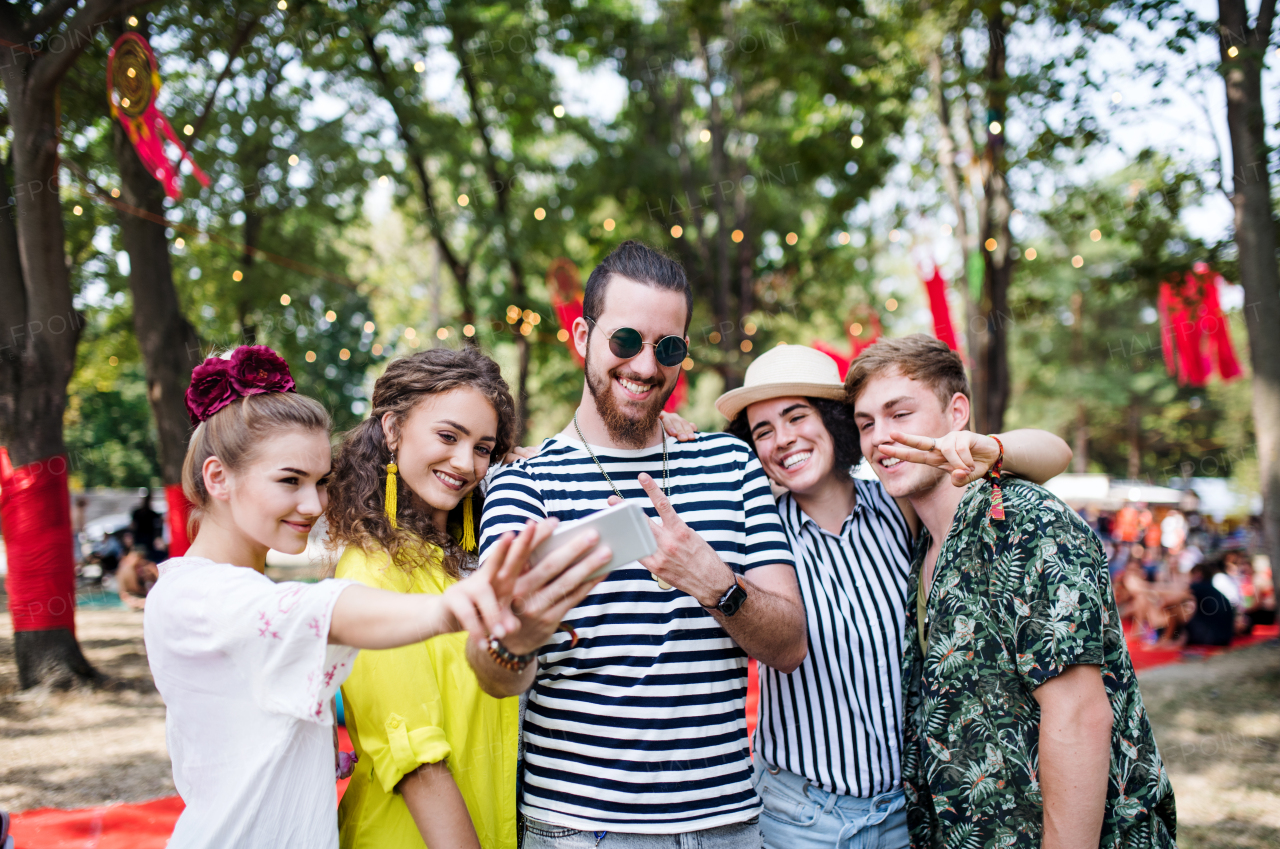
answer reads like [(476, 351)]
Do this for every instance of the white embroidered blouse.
[(246, 673)]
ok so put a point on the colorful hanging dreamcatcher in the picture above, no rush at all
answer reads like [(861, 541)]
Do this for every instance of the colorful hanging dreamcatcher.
[(133, 81)]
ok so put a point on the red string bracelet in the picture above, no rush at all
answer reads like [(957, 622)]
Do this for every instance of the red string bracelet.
[(993, 475)]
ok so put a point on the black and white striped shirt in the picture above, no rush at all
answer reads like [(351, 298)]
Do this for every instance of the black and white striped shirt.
[(837, 720), (642, 726)]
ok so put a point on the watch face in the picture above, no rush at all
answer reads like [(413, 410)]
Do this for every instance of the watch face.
[(732, 600)]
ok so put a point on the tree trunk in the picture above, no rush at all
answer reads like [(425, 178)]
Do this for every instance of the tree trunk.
[(991, 363), (1255, 236), (169, 344), (1135, 441), (38, 360)]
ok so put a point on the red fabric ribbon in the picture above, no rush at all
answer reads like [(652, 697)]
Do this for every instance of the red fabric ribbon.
[(35, 516), (179, 511), (1191, 316), (869, 329), (936, 287)]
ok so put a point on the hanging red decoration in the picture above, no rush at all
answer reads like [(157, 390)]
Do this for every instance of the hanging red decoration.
[(133, 81), (862, 328), (179, 512), (936, 287), (1190, 316), (566, 298)]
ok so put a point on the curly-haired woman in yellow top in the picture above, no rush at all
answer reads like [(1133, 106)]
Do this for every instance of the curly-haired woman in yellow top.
[(437, 756)]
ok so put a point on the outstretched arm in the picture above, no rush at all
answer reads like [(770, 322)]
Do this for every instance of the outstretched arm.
[(1036, 455), (366, 618)]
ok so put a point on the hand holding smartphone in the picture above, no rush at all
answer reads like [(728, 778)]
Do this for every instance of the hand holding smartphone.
[(624, 528)]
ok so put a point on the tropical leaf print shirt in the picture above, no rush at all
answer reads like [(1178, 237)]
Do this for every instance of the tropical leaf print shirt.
[(1013, 603)]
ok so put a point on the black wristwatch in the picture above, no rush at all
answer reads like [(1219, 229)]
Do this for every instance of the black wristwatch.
[(733, 599)]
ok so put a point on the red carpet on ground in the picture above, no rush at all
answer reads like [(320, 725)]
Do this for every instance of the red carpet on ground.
[(148, 825)]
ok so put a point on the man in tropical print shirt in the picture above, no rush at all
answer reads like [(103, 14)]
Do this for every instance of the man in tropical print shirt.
[(1024, 724)]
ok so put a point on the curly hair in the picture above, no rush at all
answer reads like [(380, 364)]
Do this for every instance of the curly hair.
[(837, 418), (357, 489)]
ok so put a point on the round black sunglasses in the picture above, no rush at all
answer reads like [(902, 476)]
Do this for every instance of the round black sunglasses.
[(626, 342)]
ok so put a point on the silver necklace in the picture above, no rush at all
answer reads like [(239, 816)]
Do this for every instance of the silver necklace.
[(666, 485)]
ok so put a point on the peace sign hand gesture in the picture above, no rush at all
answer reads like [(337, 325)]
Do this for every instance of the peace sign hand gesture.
[(684, 559), (963, 453)]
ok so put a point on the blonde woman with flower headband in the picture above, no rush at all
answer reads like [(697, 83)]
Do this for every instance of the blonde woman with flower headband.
[(248, 667), (437, 756)]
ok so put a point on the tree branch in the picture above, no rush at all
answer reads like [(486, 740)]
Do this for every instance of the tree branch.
[(242, 38), (1266, 18), (50, 67), (46, 18)]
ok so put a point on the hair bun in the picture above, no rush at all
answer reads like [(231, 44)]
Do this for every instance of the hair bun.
[(251, 370)]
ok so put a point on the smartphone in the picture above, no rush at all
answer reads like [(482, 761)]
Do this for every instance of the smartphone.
[(623, 527)]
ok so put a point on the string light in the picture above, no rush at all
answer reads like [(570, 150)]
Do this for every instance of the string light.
[(293, 159), (114, 361), (442, 333), (468, 330), (558, 111), (995, 128), (463, 200), (238, 275), (1096, 235), (562, 335), (179, 243), (539, 213), (285, 300), (419, 66), (745, 346), (77, 210), (382, 181), (410, 333), (331, 316), (749, 328), (1233, 51), (311, 356), (344, 354), (792, 238), (133, 21), (377, 350), (855, 329), (989, 244), (188, 129), (687, 364), (1077, 261), (369, 327), (704, 136), (282, 5), (737, 236), (609, 224), (843, 238), (677, 231), (526, 329), (891, 304), (856, 142), (714, 337), (894, 235), (1031, 253)]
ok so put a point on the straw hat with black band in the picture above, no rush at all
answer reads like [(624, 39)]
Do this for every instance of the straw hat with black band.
[(781, 372)]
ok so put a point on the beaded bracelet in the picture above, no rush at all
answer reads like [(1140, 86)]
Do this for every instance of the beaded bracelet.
[(506, 659), (993, 475)]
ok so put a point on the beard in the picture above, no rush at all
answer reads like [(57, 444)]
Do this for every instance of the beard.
[(634, 425)]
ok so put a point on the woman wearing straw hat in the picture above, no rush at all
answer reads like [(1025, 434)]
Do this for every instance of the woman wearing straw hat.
[(829, 734)]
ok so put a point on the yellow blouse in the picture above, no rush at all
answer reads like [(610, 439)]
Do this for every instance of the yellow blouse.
[(420, 704)]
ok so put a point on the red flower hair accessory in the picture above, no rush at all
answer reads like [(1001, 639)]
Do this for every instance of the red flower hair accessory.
[(251, 370)]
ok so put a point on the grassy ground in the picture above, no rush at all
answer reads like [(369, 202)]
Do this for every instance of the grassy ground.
[(1217, 722), (1218, 726)]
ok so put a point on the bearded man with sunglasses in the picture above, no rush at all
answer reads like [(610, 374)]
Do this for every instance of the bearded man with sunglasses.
[(635, 729)]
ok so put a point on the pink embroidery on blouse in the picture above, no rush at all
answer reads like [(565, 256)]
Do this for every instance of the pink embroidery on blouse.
[(265, 630), (314, 625)]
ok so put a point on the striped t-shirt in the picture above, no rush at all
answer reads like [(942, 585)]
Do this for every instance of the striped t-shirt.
[(641, 727), (837, 719)]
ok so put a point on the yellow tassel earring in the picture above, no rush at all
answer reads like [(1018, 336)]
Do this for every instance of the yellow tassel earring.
[(468, 524), (391, 491)]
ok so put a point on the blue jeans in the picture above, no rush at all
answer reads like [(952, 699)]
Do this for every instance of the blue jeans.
[(801, 815), (541, 835)]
